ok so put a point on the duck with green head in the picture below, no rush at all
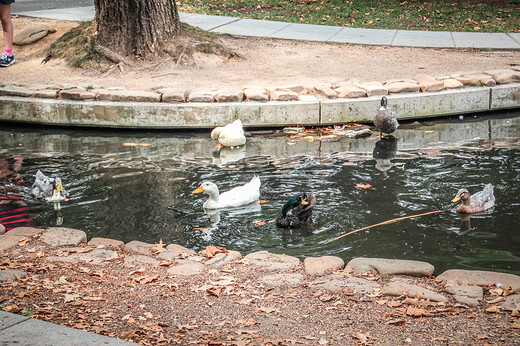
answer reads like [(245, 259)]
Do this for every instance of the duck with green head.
[(297, 211)]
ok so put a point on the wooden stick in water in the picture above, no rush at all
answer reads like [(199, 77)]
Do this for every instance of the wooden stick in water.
[(384, 223)]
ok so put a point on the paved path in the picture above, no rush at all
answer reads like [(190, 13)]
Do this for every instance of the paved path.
[(21, 330), (319, 33)]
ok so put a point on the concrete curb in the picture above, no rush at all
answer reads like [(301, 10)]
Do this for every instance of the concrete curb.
[(308, 110)]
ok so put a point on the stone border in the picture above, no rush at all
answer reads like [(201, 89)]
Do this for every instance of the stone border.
[(322, 104), (326, 272)]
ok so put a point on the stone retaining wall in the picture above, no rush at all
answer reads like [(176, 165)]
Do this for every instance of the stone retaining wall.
[(350, 101)]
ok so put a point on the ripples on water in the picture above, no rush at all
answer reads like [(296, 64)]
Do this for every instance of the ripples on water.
[(143, 192)]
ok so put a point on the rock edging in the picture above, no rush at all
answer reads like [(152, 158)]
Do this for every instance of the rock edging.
[(326, 272)]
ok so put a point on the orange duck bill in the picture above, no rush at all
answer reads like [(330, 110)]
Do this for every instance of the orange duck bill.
[(198, 190)]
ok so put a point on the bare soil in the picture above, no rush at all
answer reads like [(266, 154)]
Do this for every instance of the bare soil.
[(263, 62)]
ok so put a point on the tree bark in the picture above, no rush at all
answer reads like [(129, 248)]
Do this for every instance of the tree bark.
[(135, 27)]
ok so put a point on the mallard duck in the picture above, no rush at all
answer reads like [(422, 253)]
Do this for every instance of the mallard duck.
[(478, 202), (237, 196), (385, 119), (231, 135), (300, 208), (49, 189)]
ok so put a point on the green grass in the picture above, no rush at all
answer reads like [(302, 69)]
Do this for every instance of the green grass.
[(441, 15)]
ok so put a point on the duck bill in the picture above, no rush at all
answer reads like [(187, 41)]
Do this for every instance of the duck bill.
[(304, 202), (456, 198), (198, 190)]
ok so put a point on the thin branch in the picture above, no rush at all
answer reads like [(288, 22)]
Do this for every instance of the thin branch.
[(385, 223)]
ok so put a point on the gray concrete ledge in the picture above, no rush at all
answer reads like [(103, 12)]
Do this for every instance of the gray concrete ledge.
[(308, 110), (21, 330)]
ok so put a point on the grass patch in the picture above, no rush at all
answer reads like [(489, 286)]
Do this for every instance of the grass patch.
[(438, 15), (74, 46)]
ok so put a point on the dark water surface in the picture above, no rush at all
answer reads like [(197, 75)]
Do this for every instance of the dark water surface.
[(143, 192)]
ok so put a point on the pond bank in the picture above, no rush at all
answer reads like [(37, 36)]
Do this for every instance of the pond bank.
[(325, 104), (148, 292)]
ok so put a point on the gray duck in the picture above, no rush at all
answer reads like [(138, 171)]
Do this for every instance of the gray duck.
[(478, 202), (385, 119), (49, 189), (297, 211)]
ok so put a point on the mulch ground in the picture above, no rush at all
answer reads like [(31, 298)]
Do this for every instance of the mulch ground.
[(229, 306)]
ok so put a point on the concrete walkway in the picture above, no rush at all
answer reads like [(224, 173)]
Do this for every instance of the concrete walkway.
[(319, 33), (21, 330)]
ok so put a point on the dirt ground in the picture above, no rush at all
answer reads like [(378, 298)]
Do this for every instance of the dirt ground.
[(264, 62)]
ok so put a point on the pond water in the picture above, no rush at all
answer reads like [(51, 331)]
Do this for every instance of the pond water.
[(137, 186)]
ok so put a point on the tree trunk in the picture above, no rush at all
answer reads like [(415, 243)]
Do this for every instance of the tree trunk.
[(135, 27)]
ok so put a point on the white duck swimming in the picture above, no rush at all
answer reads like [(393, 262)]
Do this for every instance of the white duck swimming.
[(231, 135), (237, 196)]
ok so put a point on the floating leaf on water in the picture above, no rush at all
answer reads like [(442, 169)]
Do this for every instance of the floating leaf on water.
[(129, 144), (363, 186), (144, 144), (260, 223)]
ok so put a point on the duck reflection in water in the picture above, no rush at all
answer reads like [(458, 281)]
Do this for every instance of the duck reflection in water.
[(215, 216), (465, 220), (225, 155), (384, 152)]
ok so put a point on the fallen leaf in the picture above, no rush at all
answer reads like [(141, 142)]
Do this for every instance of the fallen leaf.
[(482, 336), (248, 322), (23, 241), (416, 312), (147, 280), (396, 322), (360, 336), (394, 304), (473, 315), (158, 247), (212, 291), (198, 228), (382, 301), (492, 309), (62, 281), (129, 144), (509, 291), (211, 251), (260, 223), (267, 310), (363, 186), (144, 144), (11, 308)]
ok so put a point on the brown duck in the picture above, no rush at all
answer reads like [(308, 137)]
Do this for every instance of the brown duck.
[(478, 202), (385, 119)]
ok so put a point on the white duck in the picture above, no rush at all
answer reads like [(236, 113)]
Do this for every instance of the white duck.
[(236, 197), (231, 135)]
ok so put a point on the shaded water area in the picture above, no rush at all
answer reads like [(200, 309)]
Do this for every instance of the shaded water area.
[(143, 192)]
